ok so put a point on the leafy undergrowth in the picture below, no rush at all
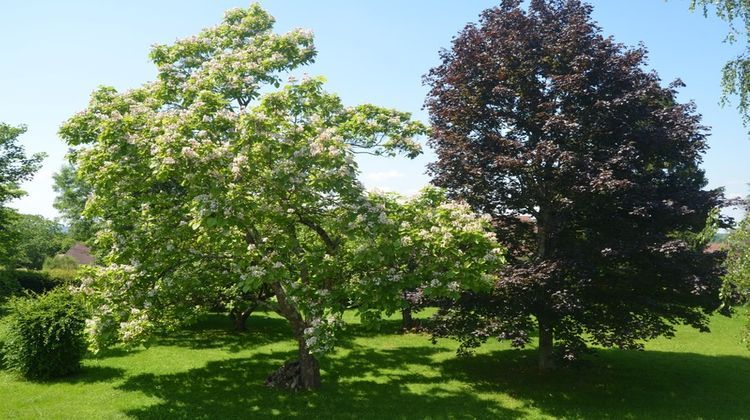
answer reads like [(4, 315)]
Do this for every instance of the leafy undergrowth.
[(210, 372)]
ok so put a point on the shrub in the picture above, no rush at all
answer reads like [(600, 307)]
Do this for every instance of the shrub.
[(45, 335), (58, 262), (62, 277), (9, 286), (3, 335), (14, 281), (33, 281)]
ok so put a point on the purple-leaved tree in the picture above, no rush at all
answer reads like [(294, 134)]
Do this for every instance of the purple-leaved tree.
[(590, 166)]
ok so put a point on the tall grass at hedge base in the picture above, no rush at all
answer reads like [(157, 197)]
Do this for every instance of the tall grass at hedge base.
[(62, 277), (59, 262), (44, 336)]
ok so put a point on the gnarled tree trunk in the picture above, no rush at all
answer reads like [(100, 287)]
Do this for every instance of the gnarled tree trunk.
[(239, 318), (301, 374)]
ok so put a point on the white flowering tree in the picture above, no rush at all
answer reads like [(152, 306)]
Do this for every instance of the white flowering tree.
[(429, 245), (217, 176)]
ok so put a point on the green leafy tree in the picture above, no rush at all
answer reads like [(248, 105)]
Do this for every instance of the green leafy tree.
[(36, 239), (432, 247), (737, 278), (15, 167), (72, 194), (216, 175), (735, 76), (590, 166)]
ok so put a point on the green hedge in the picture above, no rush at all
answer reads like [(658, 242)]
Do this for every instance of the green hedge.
[(44, 335), (62, 277), (9, 287), (3, 335), (34, 281)]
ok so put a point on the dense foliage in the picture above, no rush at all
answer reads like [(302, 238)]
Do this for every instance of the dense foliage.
[(38, 281), (29, 280), (36, 238), (9, 286), (737, 279), (217, 178), (431, 247), (59, 262), (44, 337), (15, 167), (72, 194), (589, 166)]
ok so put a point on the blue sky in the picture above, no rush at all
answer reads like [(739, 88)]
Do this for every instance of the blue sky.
[(55, 53)]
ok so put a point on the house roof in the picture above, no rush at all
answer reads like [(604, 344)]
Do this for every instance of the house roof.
[(715, 246), (81, 254)]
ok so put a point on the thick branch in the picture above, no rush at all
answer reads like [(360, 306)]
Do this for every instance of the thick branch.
[(331, 244)]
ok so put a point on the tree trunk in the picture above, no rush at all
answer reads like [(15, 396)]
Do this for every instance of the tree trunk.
[(240, 318), (309, 367), (408, 320), (302, 374), (546, 339), (238, 321)]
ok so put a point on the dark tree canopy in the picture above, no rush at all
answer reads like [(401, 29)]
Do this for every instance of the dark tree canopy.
[(590, 165)]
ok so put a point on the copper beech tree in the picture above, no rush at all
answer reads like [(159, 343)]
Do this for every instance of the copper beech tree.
[(589, 166)]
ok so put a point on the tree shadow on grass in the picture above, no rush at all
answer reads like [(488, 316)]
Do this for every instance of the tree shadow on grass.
[(617, 384), (215, 331), (91, 374), (114, 352), (234, 388), (87, 375)]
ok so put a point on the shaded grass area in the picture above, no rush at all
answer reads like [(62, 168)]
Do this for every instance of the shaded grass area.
[(210, 372)]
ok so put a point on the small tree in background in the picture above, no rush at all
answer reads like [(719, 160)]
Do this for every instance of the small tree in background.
[(37, 238), (72, 194), (589, 166), (15, 167), (432, 248), (737, 279)]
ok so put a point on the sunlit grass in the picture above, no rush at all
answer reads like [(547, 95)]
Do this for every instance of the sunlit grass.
[(210, 372)]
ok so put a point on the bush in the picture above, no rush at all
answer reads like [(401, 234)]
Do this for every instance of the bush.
[(3, 336), (33, 281), (36, 281), (9, 286), (62, 277), (45, 335), (59, 262)]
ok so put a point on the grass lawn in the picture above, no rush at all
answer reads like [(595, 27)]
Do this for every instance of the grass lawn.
[(209, 372)]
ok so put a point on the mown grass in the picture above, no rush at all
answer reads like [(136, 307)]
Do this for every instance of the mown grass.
[(210, 372)]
